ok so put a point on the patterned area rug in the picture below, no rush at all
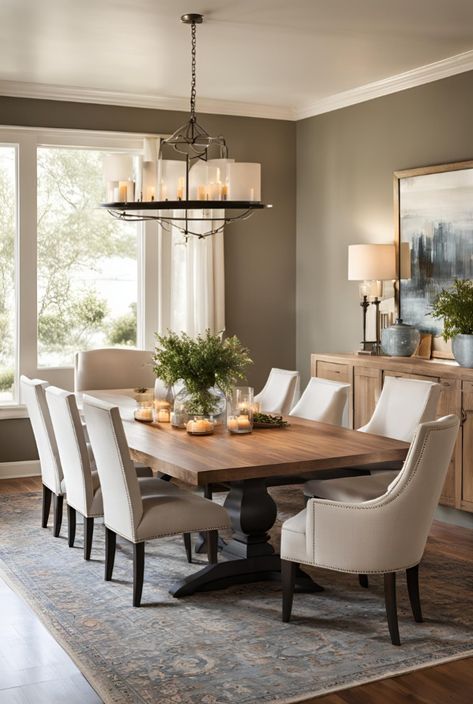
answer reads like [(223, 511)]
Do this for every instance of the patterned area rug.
[(230, 646)]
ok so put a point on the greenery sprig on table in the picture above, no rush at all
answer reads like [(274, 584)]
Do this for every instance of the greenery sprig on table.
[(202, 362), (455, 306)]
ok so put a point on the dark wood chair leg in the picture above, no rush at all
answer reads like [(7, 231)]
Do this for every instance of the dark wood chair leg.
[(208, 493), (88, 536), (412, 576), (110, 545), (188, 546), (138, 571), (58, 505), (363, 580), (71, 525), (391, 606), (47, 493), (212, 546), (288, 579)]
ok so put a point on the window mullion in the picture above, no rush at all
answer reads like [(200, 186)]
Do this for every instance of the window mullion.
[(27, 255)]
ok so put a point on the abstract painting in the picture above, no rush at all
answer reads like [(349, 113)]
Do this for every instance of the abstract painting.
[(434, 215)]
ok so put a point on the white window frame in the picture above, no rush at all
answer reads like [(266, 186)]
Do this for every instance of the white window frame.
[(27, 140)]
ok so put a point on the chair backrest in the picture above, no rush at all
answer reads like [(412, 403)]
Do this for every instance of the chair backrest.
[(388, 533), (402, 405), (122, 503), (113, 369), (33, 395), (280, 392), (323, 400), (411, 499), (72, 446)]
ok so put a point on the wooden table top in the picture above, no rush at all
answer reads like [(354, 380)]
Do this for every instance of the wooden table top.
[(223, 457), (271, 452)]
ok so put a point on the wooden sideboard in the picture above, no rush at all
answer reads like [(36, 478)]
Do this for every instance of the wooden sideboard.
[(366, 375)]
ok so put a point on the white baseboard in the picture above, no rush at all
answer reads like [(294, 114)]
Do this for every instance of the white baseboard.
[(13, 470)]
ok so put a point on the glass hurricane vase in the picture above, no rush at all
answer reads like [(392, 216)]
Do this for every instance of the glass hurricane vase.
[(210, 403)]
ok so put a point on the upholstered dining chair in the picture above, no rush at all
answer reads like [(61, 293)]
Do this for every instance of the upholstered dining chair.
[(113, 369), (52, 478), (385, 535), (84, 494), (131, 515), (402, 405), (82, 481), (280, 392), (323, 400)]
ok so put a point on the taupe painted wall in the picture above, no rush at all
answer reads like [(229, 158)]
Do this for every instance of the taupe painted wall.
[(259, 253), (345, 162)]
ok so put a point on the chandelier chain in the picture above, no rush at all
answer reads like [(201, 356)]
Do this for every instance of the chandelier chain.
[(193, 71)]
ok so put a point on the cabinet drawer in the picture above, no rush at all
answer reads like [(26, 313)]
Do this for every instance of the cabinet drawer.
[(333, 371), (404, 375)]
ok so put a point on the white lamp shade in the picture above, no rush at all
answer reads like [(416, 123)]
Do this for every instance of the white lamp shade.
[(371, 262)]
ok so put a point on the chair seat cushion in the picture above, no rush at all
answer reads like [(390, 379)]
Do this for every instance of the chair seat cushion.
[(351, 489), (293, 538), (170, 510)]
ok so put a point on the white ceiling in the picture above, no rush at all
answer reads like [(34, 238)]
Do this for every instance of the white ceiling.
[(274, 58)]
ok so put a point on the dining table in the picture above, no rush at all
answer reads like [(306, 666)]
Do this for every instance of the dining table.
[(244, 463)]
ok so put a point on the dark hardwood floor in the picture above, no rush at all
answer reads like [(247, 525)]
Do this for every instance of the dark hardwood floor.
[(56, 679)]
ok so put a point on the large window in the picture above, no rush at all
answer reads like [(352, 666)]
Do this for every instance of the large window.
[(71, 277), (8, 226), (87, 261)]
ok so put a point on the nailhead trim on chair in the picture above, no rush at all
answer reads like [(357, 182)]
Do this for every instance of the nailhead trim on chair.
[(197, 529)]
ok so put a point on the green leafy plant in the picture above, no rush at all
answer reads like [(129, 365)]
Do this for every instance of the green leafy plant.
[(202, 363), (455, 306)]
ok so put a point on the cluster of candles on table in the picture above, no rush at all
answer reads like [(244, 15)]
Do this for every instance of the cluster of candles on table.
[(239, 420)]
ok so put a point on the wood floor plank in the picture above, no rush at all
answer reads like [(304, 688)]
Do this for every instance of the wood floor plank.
[(449, 683)]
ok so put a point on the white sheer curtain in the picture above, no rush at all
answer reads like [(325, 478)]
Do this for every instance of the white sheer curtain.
[(191, 283), (191, 277)]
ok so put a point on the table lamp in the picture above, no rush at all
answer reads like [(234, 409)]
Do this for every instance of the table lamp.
[(371, 264)]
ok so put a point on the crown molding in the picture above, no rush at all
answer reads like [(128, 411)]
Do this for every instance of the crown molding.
[(44, 91), (402, 81)]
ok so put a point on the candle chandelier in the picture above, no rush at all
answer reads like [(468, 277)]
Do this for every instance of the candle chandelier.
[(199, 192)]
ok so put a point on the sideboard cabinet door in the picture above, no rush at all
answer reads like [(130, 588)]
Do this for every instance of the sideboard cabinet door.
[(467, 474), (451, 402)]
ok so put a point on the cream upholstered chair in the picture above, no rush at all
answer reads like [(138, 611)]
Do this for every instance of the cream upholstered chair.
[(131, 515), (323, 400), (280, 392), (382, 536), (82, 482), (113, 369), (402, 405), (33, 395)]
